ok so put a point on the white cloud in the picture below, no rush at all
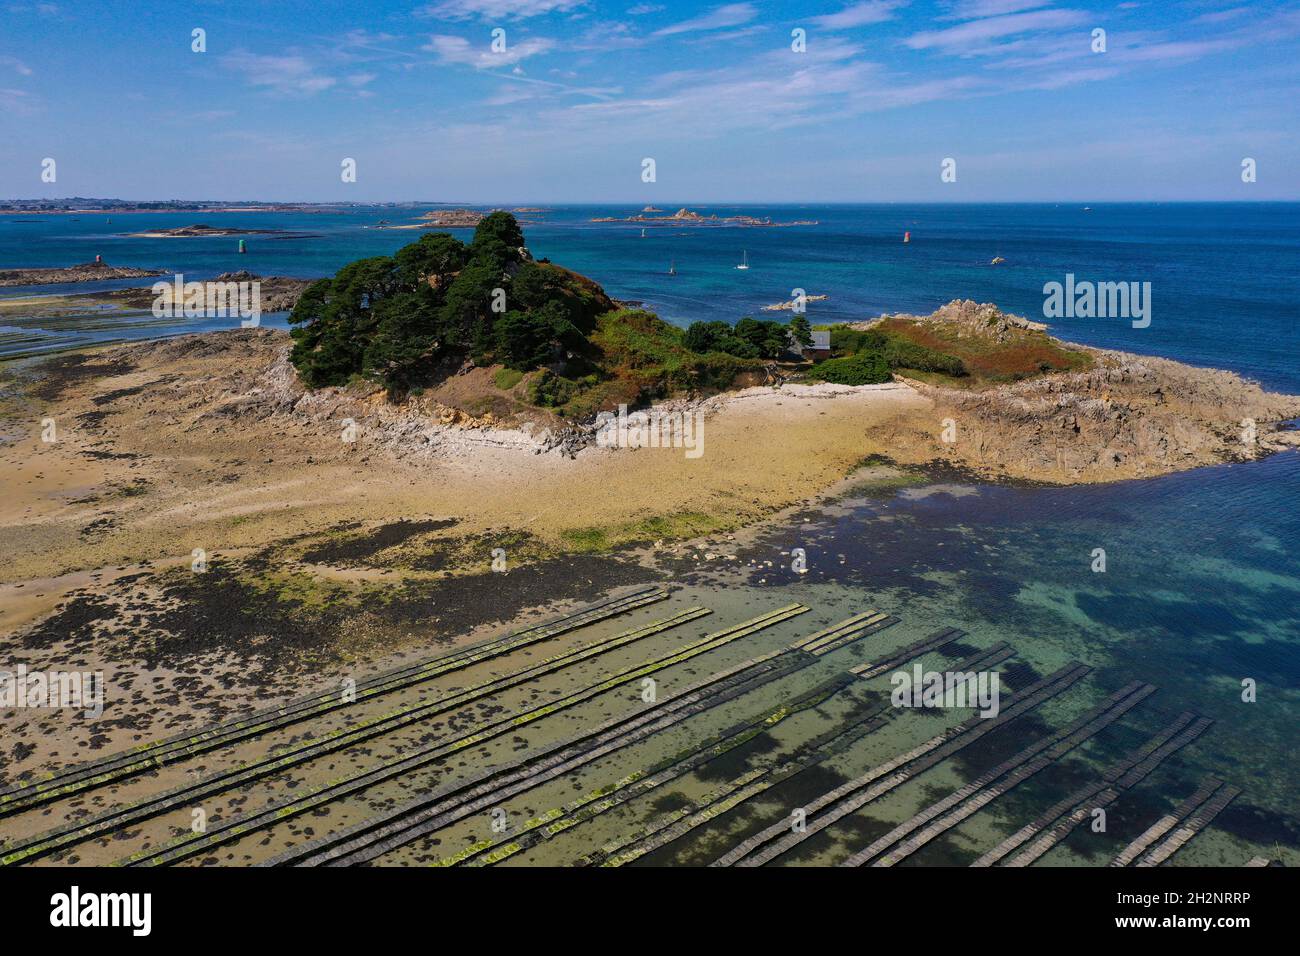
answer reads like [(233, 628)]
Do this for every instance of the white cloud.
[(772, 92), (607, 36), (496, 9), (17, 102), (18, 66), (41, 9), (731, 15), (1222, 16), (967, 37), (976, 9), (454, 49), (289, 75), (859, 14)]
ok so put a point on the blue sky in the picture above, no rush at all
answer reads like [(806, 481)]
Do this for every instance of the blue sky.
[(713, 92)]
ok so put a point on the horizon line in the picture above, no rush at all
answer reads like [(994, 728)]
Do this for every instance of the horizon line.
[(678, 203)]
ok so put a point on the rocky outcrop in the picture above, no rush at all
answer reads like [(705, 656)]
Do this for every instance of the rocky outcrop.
[(86, 272), (277, 293), (453, 218), (1128, 416), (201, 231), (966, 318)]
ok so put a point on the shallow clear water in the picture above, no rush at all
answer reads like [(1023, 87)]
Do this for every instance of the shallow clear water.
[(1201, 591)]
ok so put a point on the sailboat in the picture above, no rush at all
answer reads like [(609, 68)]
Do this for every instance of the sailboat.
[(642, 233), (744, 263), (672, 267)]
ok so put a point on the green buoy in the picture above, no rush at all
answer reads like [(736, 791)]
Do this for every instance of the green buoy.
[(242, 249)]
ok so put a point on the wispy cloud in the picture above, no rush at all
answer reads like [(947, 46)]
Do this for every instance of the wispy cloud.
[(859, 15), (520, 89), (967, 37), (606, 36), (456, 49), (496, 9), (15, 64), (731, 15), (17, 102), (40, 9), (1223, 16), (291, 75), (772, 92), (1070, 58), (977, 9)]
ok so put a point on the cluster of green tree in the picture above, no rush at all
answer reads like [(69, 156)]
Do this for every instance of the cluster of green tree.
[(636, 357), (748, 338), (897, 352), (394, 319)]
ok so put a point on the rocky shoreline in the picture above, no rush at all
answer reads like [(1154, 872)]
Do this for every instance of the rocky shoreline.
[(1126, 416), (85, 272), (278, 293)]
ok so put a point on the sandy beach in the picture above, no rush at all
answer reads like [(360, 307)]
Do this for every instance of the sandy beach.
[(210, 442)]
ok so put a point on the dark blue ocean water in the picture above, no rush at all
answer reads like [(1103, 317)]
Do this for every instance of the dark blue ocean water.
[(1225, 278), (1203, 580)]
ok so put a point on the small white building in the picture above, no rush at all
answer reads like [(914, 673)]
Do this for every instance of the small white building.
[(821, 346)]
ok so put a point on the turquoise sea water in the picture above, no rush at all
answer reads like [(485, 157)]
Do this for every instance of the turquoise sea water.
[(1202, 588)]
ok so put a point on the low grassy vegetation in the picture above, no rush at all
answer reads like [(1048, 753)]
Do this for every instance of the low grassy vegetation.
[(679, 526), (507, 378), (931, 352), (868, 356), (1025, 354)]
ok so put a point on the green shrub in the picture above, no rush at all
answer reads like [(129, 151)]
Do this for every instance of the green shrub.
[(550, 390), (900, 353), (847, 341), (866, 368)]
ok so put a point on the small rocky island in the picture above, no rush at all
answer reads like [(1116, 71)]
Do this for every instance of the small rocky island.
[(278, 293), (86, 272), (690, 217), (201, 231)]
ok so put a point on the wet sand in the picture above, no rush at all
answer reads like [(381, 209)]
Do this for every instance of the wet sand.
[(322, 554)]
